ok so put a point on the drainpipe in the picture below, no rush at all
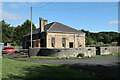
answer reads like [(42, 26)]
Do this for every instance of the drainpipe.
[(74, 40)]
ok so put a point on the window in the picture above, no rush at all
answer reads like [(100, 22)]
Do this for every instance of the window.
[(53, 42), (63, 42)]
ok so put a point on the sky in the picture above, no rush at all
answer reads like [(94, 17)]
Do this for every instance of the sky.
[(92, 16)]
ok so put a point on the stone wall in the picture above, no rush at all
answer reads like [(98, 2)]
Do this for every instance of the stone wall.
[(119, 49), (72, 52), (88, 51), (109, 50), (78, 40)]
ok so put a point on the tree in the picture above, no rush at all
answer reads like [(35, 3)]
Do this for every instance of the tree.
[(105, 37), (7, 31), (26, 27), (15, 34), (22, 30)]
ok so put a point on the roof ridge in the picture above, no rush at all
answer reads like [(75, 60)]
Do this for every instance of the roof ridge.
[(51, 25)]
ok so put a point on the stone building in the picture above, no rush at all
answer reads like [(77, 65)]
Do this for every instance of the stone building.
[(55, 35)]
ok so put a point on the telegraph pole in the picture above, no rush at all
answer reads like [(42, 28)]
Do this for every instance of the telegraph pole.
[(31, 24)]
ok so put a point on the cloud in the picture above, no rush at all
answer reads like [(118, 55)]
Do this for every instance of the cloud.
[(17, 5), (36, 25), (114, 22), (10, 16), (13, 5)]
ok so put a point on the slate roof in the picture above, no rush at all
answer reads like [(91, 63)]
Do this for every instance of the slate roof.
[(57, 28), (34, 32)]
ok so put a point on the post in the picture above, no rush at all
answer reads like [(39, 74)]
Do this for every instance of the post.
[(31, 25)]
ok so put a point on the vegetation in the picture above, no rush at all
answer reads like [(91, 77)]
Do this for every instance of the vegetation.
[(48, 57), (80, 55), (18, 70), (102, 38), (15, 34), (113, 54)]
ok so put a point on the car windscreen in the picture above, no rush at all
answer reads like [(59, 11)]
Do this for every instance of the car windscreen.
[(9, 48)]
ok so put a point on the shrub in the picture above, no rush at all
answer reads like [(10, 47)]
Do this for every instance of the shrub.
[(80, 55)]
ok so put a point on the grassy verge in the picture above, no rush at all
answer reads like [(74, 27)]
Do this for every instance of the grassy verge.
[(18, 70), (48, 57), (113, 54)]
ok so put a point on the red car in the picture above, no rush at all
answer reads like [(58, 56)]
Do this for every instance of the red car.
[(9, 50)]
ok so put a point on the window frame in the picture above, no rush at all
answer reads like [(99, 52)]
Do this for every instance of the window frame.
[(52, 42), (63, 42)]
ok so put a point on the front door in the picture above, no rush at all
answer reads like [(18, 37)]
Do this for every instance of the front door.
[(71, 45)]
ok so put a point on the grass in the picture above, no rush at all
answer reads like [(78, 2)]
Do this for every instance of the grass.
[(113, 54), (48, 57), (19, 70), (0, 68)]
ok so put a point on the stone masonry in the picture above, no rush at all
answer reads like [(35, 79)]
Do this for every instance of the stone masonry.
[(72, 52)]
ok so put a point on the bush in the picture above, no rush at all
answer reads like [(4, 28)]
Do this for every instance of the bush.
[(80, 55), (14, 44), (107, 45)]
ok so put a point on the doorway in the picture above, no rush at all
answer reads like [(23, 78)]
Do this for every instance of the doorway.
[(97, 50), (71, 45)]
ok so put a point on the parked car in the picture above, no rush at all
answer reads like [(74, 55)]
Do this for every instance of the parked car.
[(8, 50)]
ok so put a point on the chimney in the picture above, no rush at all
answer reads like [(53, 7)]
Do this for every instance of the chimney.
[(43, 22)]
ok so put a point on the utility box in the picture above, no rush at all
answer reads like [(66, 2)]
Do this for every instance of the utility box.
[(2, 45)]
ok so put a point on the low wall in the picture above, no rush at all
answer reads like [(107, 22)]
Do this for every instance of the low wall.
[(109, 50), (88, 51)]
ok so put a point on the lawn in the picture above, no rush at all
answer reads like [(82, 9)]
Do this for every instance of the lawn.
[(19, 70)]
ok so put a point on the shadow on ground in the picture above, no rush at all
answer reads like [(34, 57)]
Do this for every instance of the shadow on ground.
[(110, 72), (65, 72)]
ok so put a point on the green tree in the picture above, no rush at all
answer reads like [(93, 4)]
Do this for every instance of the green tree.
[(7, 31), (105, 37), (22, 30)]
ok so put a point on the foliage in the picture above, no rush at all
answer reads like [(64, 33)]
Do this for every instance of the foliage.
[(48, 57), (22, 30), (7, 32), (104, 37), (15, 34), (14, 44)]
